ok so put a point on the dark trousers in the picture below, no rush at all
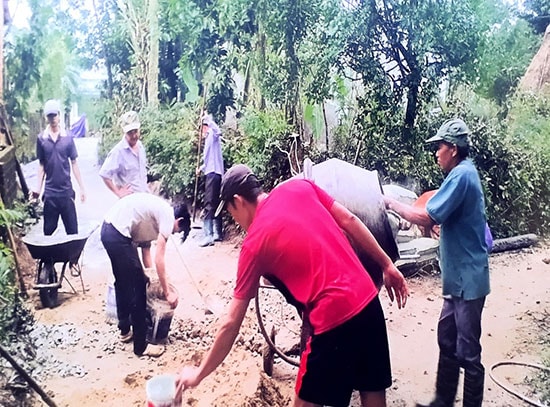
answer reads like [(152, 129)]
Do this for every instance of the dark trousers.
[(212, 185), (459, 331), (64, 207), (130, 284)]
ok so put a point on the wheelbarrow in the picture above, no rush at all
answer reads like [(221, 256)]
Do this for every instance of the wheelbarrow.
[(57, 248)]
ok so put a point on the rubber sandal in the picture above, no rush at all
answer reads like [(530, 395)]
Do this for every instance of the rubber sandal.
[(153, 351), (126, 337)]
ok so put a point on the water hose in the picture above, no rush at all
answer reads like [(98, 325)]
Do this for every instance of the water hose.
[(511, 391)]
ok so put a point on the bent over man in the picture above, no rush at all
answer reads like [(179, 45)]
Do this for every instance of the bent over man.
[(319, 270), (138, 219)]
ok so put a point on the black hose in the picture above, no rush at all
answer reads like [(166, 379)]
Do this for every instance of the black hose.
[(267, 337), (511, 391)]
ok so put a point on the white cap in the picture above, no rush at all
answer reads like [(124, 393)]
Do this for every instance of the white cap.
[(51, 107), (129, 121)]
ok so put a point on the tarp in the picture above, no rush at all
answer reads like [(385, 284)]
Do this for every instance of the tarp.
[(78, 129), (360, 192)]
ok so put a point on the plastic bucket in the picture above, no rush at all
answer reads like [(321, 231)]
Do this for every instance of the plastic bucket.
[(360, 191), (159, 314), (161, 391), (110, 304)]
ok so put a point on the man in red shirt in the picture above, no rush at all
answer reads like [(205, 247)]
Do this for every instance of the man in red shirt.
[(295, 239)]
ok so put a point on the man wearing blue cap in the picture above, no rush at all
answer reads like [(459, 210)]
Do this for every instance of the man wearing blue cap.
[(459, 207)]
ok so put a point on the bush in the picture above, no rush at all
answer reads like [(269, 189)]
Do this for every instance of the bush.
[(511, 155), (13, 315), (171, 136), (264, 143)]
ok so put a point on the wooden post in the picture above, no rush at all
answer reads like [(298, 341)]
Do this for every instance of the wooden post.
[(36, 387), (19, 272)]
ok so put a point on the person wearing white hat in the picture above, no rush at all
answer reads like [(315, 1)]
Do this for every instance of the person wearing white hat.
[(213, 169), (124, 171), (56, 152)]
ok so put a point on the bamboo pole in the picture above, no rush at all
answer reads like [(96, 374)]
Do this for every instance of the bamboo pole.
[(13, 244), (197, 173), (27, 377)]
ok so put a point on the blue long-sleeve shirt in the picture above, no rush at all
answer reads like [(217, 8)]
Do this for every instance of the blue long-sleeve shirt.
[(212, 158)]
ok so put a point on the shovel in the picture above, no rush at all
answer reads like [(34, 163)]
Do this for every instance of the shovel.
[(213, 304)]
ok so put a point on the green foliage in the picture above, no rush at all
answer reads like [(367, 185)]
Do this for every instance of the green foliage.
[(170, 137), (221, 94), (11, 307), (264, 144), (378, 141), (402, 45), (528, 121), (504, 54), (537, 13)]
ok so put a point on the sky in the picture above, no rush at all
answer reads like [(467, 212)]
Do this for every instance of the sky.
[(20, 11)]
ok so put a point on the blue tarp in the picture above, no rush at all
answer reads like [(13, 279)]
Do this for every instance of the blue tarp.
[(78, 129)]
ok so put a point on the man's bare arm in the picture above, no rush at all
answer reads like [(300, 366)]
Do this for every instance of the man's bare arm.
[(393, 279)]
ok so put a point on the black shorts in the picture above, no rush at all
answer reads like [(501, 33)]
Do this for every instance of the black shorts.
[(352, 356)]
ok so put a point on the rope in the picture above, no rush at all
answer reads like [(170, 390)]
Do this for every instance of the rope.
[(511, 391)]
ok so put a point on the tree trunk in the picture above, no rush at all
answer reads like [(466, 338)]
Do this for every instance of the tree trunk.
[(327, 144), (514, 243)]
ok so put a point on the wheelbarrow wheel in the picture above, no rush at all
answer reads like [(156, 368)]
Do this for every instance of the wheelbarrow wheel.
[(48, 296)]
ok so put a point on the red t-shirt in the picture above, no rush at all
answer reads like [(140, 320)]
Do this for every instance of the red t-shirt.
[(295, 241)]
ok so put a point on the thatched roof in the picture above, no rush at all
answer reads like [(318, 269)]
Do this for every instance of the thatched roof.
[(537, 76)]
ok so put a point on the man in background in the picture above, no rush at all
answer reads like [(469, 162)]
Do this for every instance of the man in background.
[(212, 168), (459, 207), (57, 155), (125, 168)]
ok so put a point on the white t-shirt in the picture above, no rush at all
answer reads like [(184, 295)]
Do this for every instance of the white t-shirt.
[(141, 217)]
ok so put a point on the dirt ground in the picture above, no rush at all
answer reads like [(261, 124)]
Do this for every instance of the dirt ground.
[(79, 361)]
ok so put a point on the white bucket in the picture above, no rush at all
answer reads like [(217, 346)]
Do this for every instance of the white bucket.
[(110, 304), (161, 391), (159, 313)]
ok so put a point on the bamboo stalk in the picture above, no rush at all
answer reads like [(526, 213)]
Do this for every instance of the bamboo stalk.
[(47, 399), (195, 193), (22, 287)]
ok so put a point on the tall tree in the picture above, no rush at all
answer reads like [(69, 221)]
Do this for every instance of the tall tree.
[(408, 47), (537, 13), (153, 60)]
